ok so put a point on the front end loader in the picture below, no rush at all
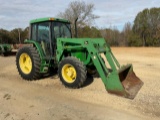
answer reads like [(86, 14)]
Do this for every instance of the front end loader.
[(120, 80), (52, 46)]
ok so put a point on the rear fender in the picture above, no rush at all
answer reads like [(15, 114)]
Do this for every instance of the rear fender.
[(44, 65), (38, 47)]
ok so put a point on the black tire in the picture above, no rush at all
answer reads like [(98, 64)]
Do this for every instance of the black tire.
[(80, 70), (34, 72), (92, 71)]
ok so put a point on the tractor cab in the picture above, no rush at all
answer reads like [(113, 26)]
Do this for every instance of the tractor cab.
[(46, 30)]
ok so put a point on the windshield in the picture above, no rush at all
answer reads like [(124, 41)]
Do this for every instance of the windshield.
[(61, 30)]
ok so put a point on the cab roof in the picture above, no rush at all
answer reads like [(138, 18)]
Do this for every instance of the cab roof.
[(48, 19)]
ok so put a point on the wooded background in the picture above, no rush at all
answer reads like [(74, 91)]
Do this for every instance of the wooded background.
[(145, 30)]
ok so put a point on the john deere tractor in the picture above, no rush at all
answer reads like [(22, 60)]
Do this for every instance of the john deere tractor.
[(52, 46), (5, 49)]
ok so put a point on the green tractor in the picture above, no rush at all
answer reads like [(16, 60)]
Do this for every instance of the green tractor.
[(5, 49), (52, 46)]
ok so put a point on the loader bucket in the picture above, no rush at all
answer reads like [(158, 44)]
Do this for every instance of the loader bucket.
[(131, 84)]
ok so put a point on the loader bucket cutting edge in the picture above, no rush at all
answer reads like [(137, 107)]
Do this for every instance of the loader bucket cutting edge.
[(130, 82)]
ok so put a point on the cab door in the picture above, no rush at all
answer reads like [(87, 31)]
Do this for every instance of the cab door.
[(44, 37), (41, 34)]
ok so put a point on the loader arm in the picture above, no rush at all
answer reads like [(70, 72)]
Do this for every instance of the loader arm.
[(117, 80)]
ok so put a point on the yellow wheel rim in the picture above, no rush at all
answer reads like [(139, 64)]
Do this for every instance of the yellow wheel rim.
[(25, 63), (69, 73)]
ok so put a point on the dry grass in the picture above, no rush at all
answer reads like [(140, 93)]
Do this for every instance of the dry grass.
[(146, 65)]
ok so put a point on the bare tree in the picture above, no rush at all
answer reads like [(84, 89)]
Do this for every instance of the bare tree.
[(80, 10), (127, 31)]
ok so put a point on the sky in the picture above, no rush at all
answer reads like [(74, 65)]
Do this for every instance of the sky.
[(18, 13)]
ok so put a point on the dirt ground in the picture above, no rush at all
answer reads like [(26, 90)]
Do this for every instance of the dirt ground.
[(48, 99)]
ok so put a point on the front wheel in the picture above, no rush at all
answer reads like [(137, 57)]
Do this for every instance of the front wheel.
[(72, 72)]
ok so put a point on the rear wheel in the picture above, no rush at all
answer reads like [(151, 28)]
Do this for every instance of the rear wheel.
[(72, 72), (28, 63)]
